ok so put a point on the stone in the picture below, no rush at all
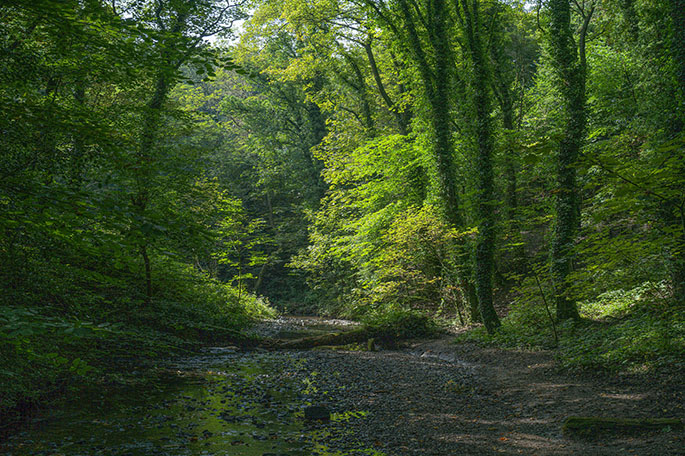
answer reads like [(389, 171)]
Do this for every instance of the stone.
[(317, 412)]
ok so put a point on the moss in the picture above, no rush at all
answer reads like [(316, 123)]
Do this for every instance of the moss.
[(589, 426)]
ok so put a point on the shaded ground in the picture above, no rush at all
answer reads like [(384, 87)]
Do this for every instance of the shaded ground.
[(522, 402), (440, 398), (430, 398), (437, 398)]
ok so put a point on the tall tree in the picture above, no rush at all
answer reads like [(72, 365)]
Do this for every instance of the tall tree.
[(470, 16), (569, 64), (423, 30), (677, 13), (176, 31), (432, 56)]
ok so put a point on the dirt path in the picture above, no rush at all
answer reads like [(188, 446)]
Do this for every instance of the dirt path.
[(440, 398), (521, 401)]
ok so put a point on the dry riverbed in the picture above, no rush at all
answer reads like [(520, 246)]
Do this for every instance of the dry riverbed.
[(429, 398)]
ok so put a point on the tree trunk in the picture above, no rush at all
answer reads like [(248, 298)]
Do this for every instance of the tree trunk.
[(144, 168), (400, 118), (485, 242), (570, 74), (678, 270), (440, 119), (318, 131), (678, 56), (260, 277), (148, 274), (678, 48), (435, 77), (78, 156), (472, 301), (510, 171)]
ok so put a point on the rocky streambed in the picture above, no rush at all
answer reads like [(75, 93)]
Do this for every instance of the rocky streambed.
[(429, 398)]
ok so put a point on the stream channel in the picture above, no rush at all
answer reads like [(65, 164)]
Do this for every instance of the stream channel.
[(221, 401)]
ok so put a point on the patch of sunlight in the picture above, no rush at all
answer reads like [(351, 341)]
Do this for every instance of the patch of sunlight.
[(346, 416), (613, 303)]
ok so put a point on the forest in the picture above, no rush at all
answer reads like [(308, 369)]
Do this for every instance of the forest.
[(508, 175)]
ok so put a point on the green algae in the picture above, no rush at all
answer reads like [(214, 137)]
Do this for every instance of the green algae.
[(235, 404)]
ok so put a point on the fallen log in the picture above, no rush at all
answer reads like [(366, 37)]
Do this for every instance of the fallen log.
[(340, 338), (592, 426), (386, 333)]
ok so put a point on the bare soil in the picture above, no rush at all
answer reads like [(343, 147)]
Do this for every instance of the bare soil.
[(523, 400)]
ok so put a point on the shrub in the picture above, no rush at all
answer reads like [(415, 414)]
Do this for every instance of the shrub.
[(632, 331), (397, 324)]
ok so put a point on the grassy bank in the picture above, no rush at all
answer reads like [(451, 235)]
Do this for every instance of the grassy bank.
[(631, 331), (96, 341)]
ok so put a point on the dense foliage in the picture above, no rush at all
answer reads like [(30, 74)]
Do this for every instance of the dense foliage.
[(105, 207), (479, 161)]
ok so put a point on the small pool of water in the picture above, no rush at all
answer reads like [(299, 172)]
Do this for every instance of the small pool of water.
[(218, 403)]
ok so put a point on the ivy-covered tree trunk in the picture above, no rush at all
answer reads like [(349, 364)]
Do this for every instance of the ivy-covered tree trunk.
[(678, 55), (434, 63), (436, 83), (485, 242), (443, 152), (570, 80)]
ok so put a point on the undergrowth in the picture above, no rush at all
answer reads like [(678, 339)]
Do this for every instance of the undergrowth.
[(45, 353), (399, 324), (628, 331)]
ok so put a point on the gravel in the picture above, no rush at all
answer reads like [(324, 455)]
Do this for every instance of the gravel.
[(394, 402), (430, 398)]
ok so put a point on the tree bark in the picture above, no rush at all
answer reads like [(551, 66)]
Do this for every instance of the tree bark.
[(400, 119), (570, 72), (485, 242), (678, 56)]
